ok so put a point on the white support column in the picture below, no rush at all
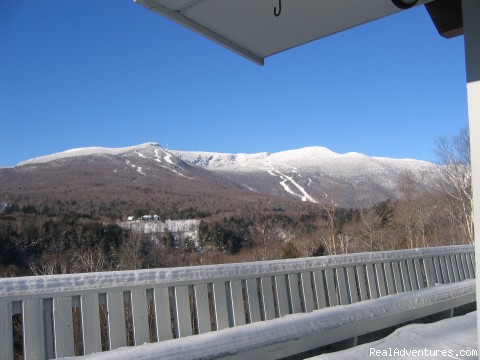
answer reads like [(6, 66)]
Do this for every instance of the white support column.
[(471, 25)]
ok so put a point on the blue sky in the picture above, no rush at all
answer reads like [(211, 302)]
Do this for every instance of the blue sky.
[(111, 73)]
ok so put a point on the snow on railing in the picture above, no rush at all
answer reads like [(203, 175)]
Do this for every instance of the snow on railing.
[(66, 315)]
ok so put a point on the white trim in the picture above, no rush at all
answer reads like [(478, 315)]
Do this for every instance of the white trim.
[(200, 29), (471, 25)]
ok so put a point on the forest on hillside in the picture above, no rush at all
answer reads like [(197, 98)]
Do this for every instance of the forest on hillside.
[(39, 242), (58, 238)]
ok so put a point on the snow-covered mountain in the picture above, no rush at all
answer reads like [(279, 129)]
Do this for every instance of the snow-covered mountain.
[(311, 174), (317, 174), (140, 157), (94, 150)]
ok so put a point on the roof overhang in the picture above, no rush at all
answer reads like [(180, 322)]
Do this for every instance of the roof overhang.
[(447, 17), (250, 27)]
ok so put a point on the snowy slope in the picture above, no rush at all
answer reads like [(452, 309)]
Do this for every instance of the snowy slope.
[(312, 158), (314, 173), (88, 151), (311, 174), (138, 157)]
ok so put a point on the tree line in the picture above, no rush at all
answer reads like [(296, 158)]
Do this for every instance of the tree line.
[(51, 241)]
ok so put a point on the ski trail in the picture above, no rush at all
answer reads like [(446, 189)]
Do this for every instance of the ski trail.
[(168, 159), (285, 178), (133, 166), (176, 172), (157, 155), (306, 196)]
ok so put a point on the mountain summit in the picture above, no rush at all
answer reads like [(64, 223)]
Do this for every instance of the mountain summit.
[(311, 174), (317, 174)]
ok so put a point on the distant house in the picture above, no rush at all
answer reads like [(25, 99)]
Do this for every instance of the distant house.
[(3, 205), (147, 217), (131, 218), (156, 217)]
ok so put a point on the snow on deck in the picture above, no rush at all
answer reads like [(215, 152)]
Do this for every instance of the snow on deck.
[(289, 328), (454, 338)]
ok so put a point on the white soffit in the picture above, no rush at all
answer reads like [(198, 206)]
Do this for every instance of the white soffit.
[(250, 28)]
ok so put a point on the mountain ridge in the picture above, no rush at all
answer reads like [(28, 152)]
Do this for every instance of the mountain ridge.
[(312, 174)]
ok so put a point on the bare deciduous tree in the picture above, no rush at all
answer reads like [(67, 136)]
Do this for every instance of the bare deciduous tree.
[(130, 256), (454, 156), (89, 260)]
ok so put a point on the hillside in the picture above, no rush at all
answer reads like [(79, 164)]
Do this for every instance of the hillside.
[(118, 180), (317, 174), (115, 182), (69, 211)]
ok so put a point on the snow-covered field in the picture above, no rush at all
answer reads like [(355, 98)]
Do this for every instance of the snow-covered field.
[(174, 226), (180, 229), (454, 338)]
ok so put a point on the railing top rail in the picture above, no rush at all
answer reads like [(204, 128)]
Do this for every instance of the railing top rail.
[(54, 285)]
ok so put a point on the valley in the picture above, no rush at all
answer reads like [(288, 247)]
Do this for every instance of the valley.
[(68, 212)]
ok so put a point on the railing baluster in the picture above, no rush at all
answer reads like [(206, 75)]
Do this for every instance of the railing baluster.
[(253, 302), (182, 310), (6, 330), (419, 273), (33, 335), (202, 308), (463, 257), (116, 320), (220, 302), (140, 317), (451, 273), (307, 291), (397, 276), (389, 278), (161, 298), (352, 284), (48, 328), (331, 288), (63, 326), (268, 302), (362, 282), (461, 271), (445, 273), (405, 276), (319, 289), (294, 293), (372, 282), (430, 271), (342, 286), (282, 295), (470, 261), (412, 274), (438, 270), (456, 274), (92, 341), (381, 279), (237, 302)]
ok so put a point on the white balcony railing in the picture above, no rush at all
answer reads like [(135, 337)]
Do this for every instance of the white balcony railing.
[(54, 316)]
